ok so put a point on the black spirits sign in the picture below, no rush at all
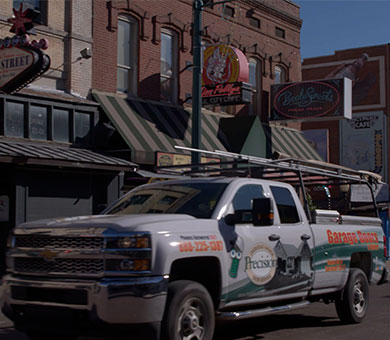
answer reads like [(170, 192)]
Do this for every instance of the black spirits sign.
[(326, 99)]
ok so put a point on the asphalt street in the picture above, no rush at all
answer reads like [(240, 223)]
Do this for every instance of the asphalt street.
[(319, 321)]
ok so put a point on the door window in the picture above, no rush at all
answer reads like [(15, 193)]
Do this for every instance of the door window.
[(288, 212), (244, 196)]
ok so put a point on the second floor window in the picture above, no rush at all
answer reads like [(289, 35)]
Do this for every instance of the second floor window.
[(280, 75), (127, 55), (255, 81), (169, 65), (38, 5)]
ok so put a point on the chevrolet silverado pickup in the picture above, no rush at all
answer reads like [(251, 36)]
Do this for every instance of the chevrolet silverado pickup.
[(169, 258)]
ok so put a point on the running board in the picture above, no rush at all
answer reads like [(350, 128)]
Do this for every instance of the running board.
[(262, 311)]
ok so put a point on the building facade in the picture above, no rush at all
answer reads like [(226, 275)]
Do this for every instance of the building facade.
[(362, 142), (142, 74), (48, 164)]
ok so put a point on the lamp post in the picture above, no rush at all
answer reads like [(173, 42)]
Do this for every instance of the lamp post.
[(196, 80), (198, 6)]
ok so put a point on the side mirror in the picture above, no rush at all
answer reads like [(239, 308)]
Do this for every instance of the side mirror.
[(231, 219), (262, 212), (239, 216)]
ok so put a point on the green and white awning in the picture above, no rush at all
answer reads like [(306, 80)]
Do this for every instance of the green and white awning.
[(148, 126), (291, 143)]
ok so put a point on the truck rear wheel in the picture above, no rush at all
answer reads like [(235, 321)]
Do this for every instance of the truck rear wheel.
[(352, 305), (189, 313)]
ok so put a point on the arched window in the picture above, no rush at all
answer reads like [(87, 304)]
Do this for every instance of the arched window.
[(169, 65), (280, 75), (127, 60), (255, 81)]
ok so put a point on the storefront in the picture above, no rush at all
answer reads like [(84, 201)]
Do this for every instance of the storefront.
[(146, 132), (48, 167)]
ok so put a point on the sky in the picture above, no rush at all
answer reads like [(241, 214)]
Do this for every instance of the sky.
[(330, 25)]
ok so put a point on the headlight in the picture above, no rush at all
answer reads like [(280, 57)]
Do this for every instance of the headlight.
[(128, 253), (134, 265), (127, 242)]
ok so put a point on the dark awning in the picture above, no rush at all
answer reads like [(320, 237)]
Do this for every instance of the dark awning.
[(149, 126), (247, 135), (54, 155)]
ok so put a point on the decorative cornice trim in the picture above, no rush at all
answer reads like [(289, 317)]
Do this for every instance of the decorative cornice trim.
[(261, 5)]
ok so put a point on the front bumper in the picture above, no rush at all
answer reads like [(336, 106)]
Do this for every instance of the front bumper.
[(113, 301)]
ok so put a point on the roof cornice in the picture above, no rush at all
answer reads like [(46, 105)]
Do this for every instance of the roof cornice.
[(261, 5)]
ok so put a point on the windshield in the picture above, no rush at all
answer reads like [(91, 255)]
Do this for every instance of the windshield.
[(197, 199)]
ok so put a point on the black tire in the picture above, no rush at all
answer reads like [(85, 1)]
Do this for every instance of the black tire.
[(189, 313), (352, 306)]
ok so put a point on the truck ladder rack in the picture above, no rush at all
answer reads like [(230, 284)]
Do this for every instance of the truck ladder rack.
[(299, 173), (277, 169)]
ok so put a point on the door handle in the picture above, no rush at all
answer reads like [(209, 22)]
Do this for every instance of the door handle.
[(305, 237), (274, 237)]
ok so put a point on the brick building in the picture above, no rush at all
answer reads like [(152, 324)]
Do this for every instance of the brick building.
[(142, 76), (361, 142), (47, 164)]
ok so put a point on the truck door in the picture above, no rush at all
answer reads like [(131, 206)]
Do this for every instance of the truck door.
[(269, 260), (293, 244)]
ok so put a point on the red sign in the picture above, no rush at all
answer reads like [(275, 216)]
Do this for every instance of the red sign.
[(312, 100), (226, 94), (224, 64)]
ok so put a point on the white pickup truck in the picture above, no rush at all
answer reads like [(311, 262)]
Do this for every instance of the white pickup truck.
[(169, 258)]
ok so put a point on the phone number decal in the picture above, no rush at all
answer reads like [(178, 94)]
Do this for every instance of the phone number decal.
[(199, 246)]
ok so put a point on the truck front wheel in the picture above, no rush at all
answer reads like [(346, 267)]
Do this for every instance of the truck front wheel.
[(352, 306), (189, 313)]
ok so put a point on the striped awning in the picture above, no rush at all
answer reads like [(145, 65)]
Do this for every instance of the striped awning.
[(51, 154), (291, 143), (148, 126)]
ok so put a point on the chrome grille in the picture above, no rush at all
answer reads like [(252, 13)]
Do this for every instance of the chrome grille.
[(68, 266), (40, 241)]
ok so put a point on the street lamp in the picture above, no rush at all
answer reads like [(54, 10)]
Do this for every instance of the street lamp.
[(198, 6)]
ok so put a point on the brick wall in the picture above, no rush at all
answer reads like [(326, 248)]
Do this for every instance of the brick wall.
[(370, 89), (152, 15)]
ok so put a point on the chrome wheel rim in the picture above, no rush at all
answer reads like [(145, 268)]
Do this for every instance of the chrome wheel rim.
[(359, 301), (191, 320)]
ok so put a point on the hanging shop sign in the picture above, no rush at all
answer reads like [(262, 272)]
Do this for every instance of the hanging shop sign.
[(21, 60), (226, 94), (363, 142), (224, 76), (224, 64), (312, 100), (169, 159)]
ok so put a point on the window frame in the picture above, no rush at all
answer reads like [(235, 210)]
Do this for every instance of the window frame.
[(283, 74), (226, 9), (255, 104), (278, 204), (173, 79), (132, 68), (280, 32), (253, 20), (92, 111), (38, 5)]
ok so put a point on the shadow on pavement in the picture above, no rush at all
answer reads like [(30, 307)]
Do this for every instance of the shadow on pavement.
[(11, 334), (252, 329)]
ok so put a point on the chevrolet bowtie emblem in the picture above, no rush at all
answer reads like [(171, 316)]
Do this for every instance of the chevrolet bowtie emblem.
[(48, 255)]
